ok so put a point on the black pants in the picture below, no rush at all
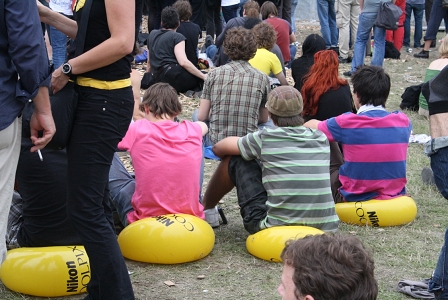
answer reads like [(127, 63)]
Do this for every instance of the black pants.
[(102, 119), (252, 197), (180, 79)]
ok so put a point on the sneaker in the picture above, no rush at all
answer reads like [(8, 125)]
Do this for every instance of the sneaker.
[(212, 217), (348, 74), (345, 60), (427, 176), (422, 54), (208, 42)]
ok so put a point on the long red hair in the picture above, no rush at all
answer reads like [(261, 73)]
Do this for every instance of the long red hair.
[(322, 77)]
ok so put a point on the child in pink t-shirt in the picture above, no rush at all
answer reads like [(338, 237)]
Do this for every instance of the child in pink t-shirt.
[(167, 158)]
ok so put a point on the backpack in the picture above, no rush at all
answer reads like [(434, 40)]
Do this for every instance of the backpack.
[(388, 15)]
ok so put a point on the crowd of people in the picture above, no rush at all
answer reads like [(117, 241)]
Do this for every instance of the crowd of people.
[(291, 152)]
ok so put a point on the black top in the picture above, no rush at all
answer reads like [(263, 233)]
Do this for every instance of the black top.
[(191, 32), (98, 32), (43, 187), (333, 103), (161, 45)]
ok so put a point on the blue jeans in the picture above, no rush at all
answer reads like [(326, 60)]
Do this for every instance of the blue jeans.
[(439, 281), (418, 10), (293, 51), (102, 119), (437, 14), (293, 18), (229, 12), (211, 51), (366, 22), (121, 189), (59, 46), (327, 19)]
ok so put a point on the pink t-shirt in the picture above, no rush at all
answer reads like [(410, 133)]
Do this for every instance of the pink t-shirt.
[(167, 159)]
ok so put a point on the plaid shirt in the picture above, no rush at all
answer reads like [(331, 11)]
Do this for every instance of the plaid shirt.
[(236, 91)]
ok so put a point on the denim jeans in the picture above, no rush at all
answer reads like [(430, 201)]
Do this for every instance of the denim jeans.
[(437, 14), (121, 189), (102, 119), (418, 10), (366, 22), (439, 281), (229, 12), (293, 52), (439, 165), (211, 51), (293, 17), (59, 46), (327, 19)]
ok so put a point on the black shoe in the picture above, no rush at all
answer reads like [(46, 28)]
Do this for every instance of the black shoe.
[(335, 49), (422, 54), (348, 74), (345, 60), (208, 42)]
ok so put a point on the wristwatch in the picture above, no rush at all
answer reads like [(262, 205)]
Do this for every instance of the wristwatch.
[(67, 69)]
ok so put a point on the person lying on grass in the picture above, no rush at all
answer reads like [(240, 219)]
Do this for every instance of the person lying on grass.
[(166, 156), (281, 174), (374, 142)]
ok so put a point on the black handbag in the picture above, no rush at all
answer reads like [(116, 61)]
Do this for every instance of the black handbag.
[(388, 15), (63, 103)]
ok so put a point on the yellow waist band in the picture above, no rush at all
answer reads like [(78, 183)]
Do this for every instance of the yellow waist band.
[(102, 84)]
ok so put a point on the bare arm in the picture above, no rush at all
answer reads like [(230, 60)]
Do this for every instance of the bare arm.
[(292, 38), (203, 127), (181, 57), (135, 81), (281, 77), (204, 110), (58, 21), (312, 124), (227, 146), (120, 16), (263, 115), (41, 119)]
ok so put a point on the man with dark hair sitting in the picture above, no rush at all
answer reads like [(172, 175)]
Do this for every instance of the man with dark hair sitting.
[(167, 60), (275, 173), (374, 142), (329, 267)]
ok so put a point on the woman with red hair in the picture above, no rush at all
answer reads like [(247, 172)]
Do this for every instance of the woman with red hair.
[(325, 94)]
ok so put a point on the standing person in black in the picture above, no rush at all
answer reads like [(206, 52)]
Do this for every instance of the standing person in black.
[(191, 31), (167, 60), (101, 74)]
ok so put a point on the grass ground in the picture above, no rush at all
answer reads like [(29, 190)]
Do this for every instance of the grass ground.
[(230, 272)]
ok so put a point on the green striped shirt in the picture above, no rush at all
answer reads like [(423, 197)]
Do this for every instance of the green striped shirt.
[(296, 175)]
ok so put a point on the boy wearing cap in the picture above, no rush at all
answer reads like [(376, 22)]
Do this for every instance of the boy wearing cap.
[(281, 174), (374, 142)]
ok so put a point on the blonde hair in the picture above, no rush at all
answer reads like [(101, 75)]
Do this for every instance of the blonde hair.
[(443, 49)]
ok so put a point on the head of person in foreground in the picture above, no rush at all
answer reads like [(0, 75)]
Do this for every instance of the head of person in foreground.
[(371, 86), (285, 105), (160, 101), (327, 267)]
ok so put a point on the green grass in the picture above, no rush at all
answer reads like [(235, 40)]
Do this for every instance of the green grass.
[(409, 251)]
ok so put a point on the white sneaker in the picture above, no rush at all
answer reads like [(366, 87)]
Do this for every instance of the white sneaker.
[(212, 217)]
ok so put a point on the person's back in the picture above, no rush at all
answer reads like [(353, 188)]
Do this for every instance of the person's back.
[(295, 174), (374, 141)]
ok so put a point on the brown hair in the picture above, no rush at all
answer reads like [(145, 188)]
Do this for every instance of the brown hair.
[(287, 121), (183, 9), (239, 44), (331, 267), (265, 35), (268, 8), (161, 99), (322, 77), (252, 9)]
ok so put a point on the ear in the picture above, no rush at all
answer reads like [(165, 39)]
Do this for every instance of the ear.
[(146, 110), (308, 297)]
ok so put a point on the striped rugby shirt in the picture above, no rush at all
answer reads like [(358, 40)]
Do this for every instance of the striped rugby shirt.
[(295, 170), (375, 144)]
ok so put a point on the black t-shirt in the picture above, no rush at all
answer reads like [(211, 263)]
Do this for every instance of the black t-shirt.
[(98, 32), (333, 103), (43, 187), (161, 47), (191, 32)]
